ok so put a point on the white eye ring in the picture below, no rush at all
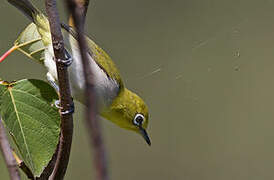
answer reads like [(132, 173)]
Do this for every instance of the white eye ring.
[(138, 119)]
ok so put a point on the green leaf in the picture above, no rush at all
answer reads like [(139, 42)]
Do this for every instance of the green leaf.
[(28, 112), (30, 43)]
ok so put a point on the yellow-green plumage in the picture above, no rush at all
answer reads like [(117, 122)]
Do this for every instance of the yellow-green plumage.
[(42, 25), (103, 60), (122, 108), (120, 105)]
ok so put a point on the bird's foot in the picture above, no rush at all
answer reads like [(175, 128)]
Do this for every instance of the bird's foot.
[(70, 110), (67, 61)]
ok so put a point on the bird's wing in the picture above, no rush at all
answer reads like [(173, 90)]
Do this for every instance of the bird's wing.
[(100, 56)]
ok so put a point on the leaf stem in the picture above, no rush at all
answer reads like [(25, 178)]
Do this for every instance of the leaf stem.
[(6, 54), (23, 166)]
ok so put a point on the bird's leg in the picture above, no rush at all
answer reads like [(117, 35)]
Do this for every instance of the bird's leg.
[(52, 82), (68, 61)]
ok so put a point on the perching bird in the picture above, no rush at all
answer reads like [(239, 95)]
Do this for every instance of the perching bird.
[(116, 103)]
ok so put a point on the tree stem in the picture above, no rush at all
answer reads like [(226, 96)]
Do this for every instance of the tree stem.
[(65, 93)]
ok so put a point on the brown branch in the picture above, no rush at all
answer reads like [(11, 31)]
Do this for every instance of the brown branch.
[(21, 164), (83, 8), (26, 170), (93, 124), (65, 93), (7, 154)]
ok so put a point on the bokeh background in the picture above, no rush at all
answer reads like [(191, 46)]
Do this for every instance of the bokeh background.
[(205, 69)]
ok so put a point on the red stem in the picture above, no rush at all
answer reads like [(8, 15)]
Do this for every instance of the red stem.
[(2, 58)]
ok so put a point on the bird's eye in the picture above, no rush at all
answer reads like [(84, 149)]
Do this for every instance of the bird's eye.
[(138, 119)]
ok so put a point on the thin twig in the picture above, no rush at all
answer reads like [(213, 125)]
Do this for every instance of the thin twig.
[(65, 93), (21, 164), (7, 154), (26, 170), (93, 124), (83, 8)]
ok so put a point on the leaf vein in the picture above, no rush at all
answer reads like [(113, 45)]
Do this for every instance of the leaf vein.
[(20, 125)]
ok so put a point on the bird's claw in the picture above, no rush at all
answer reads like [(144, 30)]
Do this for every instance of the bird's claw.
[(67, 61), (57, 104), (70, 110)]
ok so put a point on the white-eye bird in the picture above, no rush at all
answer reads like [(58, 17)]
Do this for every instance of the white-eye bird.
[(116, 103)]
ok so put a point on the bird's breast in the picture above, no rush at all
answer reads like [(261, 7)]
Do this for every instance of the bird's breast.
[(106, 88)]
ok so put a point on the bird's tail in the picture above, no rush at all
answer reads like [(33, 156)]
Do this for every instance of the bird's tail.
[(26, 8), (36, 16)]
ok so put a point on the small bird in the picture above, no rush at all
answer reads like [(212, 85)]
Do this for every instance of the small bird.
[(116, 103)]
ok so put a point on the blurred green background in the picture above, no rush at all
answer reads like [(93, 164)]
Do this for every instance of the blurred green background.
[(205, 69)]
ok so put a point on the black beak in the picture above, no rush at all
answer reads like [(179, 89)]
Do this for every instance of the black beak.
[(145, 135)]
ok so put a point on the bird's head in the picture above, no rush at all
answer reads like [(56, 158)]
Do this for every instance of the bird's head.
[(130, 112)]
